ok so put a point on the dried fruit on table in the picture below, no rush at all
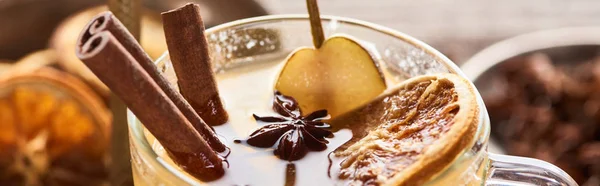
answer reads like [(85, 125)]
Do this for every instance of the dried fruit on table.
[(53, 130)]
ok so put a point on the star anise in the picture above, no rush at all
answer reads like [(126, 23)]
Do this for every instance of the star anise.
[(294, 134)]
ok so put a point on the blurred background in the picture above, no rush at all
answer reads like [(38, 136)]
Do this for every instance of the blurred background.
[(460, 27), (59, 106)]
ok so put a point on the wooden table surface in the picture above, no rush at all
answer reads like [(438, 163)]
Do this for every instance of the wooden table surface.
[(458, 28)]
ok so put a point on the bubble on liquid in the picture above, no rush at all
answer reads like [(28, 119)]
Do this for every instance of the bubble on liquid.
[(235, 46), (409, 62), (250, 43)]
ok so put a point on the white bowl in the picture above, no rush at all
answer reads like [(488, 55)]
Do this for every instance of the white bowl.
[(539, 41)]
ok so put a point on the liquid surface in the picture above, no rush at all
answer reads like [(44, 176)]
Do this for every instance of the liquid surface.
[(249, 90)]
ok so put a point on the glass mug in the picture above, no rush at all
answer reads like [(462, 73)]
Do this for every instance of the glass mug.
[(268, 38)]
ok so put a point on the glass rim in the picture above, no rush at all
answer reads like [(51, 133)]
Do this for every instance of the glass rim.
[(500, 51), (145, 148)]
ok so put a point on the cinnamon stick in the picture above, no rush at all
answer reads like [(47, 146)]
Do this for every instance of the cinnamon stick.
[(106, 21), (108, 59), (188, 49), (316, 28)]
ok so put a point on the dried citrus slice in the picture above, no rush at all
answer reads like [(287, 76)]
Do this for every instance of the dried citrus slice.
[(4, 66), (36, 60), (31, 61), (53, 130), (414, 131)]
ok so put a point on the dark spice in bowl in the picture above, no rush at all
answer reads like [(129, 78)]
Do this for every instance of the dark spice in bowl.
[(546, 105)]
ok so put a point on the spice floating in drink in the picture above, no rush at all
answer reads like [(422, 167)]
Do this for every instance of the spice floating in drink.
[(293, 133), (408, 134), (188, 50), (112, 60)]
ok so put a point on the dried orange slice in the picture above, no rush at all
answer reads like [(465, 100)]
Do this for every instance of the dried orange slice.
[(414, 130), (36, 60), (4, 66), (31, 61), (53, 130)]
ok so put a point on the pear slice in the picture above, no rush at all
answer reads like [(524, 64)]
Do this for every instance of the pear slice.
[(339, 76)]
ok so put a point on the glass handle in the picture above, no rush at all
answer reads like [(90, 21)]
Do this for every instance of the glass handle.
[(512, 170)]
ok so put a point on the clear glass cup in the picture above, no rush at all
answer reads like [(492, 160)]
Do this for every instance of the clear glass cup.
[(249, 41)]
